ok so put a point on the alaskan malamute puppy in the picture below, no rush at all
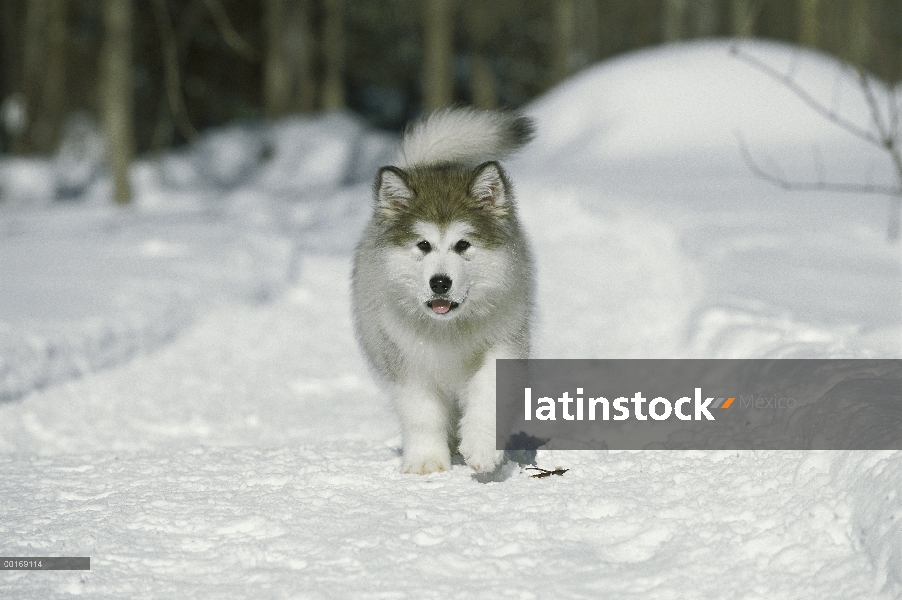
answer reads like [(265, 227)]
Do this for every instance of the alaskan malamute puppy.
[(443, 284)]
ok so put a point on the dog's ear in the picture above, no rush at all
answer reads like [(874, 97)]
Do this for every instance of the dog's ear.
[(489, 187), (393, 193)]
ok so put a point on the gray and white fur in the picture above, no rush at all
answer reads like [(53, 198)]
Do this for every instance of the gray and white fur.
[(444, 284)]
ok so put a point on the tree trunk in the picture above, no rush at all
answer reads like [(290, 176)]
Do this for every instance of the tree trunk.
[(276, 70), (860, 36), (587, 34), (333, 92), (54, 88), (438, 54), (44, 73), (742, 18), (36, 13), (11, 92), (9, 30), (118, 90), (674, 24), (706, 18), (482, 83), (288, 82), (562, 42), (481, 19), (809, 23)]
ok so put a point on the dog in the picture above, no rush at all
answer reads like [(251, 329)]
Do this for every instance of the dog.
[(444, 283)]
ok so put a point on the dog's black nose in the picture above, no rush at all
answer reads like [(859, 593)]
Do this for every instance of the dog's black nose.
[(440, 284)]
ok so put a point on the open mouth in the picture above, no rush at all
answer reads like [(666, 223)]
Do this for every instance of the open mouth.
[(441, 306)]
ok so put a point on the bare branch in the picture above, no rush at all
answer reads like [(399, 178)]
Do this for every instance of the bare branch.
[(782, 182), (803, 95), (228, 33), (894, 114), (171, 69), (818, 163), (888, 133), (545, 472), (867, 91)]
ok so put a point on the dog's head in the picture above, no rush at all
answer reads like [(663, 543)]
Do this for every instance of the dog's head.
[(447, 231)]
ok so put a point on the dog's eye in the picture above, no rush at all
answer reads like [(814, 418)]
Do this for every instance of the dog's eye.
[(424, 246), (461, 246)]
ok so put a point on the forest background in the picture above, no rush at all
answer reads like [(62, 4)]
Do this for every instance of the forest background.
[(153, 73)]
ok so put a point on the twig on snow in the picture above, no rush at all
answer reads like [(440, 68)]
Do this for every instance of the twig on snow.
[(545, 472)]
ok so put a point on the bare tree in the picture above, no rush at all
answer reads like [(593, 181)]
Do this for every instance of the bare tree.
[(118, 93), (438, 56), (810, 22), (53, 97), (174, 39), (44, 72), (885, 133), (333, 92), (743, 16), (587, 23), (480, 18), (705, 17), (12, 100), (690, 18), (227, 31), (170, 49), (860, 38), (674, 20), (288, 82), (9, 31), (562, 39)]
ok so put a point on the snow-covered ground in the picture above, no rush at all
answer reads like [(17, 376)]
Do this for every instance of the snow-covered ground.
[(184, 402)]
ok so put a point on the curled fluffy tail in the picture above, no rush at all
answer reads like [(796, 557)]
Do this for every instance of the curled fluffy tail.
[(464, 135)]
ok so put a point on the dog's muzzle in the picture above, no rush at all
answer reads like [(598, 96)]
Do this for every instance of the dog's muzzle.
[(440, 284)]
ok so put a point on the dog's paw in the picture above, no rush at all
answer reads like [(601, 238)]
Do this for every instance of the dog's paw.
[(423, 465), (482, 460)]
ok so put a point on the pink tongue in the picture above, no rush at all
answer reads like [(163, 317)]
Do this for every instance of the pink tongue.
[(441, 306)]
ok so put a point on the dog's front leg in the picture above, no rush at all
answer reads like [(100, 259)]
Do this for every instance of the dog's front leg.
[(477, 424), (424, 427)]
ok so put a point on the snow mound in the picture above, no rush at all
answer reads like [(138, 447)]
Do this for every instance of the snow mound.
[(323, 153), (687, 103), (229, 156), (731, 266), (291, 156), (80, 157)]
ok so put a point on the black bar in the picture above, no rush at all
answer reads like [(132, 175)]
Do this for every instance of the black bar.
[(45, 563)]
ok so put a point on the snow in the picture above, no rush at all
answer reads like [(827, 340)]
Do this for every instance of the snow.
[(84, 289), (754, 271), (339, 520), (185, 403), (683, 106)]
